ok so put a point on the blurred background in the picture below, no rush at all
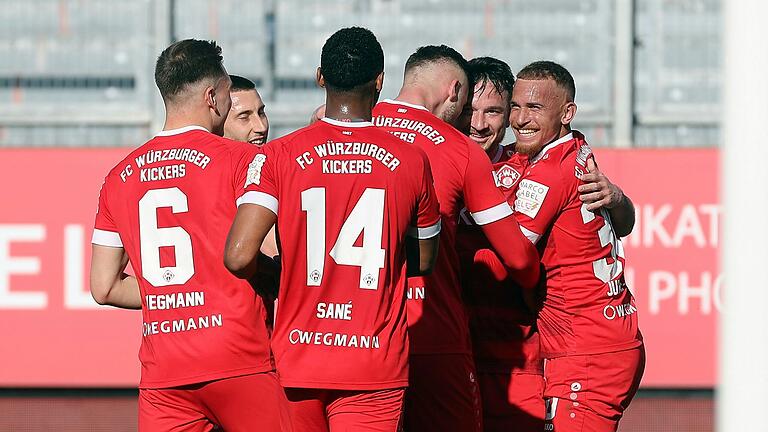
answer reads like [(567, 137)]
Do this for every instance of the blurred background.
[(77, 92)]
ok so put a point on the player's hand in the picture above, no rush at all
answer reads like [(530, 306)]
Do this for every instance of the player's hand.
[(534, 298), (317, 114), (598, 192), (486, 260)]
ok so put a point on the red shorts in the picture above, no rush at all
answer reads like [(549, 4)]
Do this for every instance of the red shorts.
[(319, 410), (244, 403), (590, 393), (443, 394), (512, 401)]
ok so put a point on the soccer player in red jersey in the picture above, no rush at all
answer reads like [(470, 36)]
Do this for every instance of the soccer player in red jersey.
[(166, 208), (443, 394), (247, 121), (346, 196), (504, 338), (588, 325)]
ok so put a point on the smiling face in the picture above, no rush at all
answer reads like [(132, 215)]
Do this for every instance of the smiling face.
[(540, 113), (247, 121), (490, 115)]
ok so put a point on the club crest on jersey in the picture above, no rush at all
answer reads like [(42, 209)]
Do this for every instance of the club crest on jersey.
[(506, 176), (254, 170), (168, 276), (315, 276)]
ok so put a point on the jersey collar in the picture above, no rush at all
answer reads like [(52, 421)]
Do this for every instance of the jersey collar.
[(349, 124), (397, 102), (178, 131), (550, 146), (500, 151)]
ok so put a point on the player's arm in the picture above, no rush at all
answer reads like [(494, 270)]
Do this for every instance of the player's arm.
[(421, 255), (598, 192), (514, 250), (251, 243), (269, 258), (249, 229), (423, 237), (490, 210), (110, 285)]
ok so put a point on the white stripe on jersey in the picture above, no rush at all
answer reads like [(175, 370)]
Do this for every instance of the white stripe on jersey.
[(106, 238), (423, 233), (259, 198), (532, 236), (492, 214)]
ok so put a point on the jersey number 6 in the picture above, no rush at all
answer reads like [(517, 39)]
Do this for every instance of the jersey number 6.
[(153, 238)]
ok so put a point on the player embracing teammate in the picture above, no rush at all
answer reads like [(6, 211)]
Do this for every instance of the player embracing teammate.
[(590, 340), (354, 197), (504, 336)]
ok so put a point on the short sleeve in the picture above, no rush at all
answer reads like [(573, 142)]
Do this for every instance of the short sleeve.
[(485, 202), (427, 224), (259, 181), (105, 231)]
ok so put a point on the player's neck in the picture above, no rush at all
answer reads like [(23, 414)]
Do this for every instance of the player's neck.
[(177, 120), (416, 96), (349, 107)]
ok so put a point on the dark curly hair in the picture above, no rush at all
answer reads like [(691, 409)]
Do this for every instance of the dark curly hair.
[(351, 57), (492, 70)]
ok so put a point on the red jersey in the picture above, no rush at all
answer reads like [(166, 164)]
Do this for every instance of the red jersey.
[(170, 204), (504, 336), (588, 308), (347, 193), (463, 178)]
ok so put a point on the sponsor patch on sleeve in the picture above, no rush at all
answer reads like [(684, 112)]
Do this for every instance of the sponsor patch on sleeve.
[(530, 197), (254, 170)]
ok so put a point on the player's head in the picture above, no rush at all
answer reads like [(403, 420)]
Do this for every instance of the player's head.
[(191, 78), (247, 119), (542, 105), (441, 72), (352, 64), (490, 102)]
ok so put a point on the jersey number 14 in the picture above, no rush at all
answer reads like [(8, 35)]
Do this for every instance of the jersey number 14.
[(367, 217)]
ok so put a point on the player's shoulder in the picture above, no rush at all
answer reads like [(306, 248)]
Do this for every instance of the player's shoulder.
[(298, 134), (562, 164), (573, 155), (129, 162), (235, 148)]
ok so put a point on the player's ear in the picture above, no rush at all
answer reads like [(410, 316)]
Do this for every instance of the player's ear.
[(319, 78), (210, 98), (380, 81), (454, 91), (569, 111)]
